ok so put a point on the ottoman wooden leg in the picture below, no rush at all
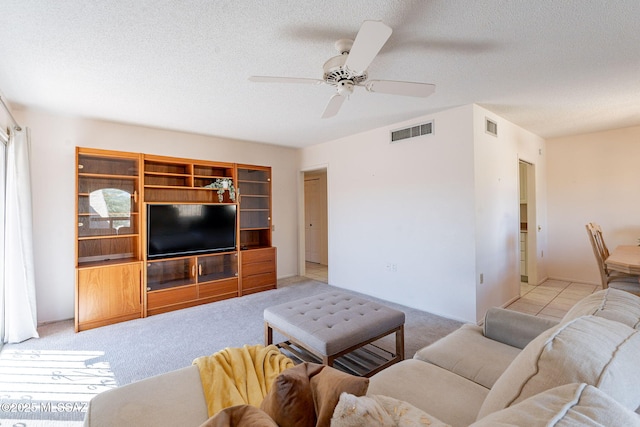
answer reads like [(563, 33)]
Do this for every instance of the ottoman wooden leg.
[(268, 334), (400, 343)]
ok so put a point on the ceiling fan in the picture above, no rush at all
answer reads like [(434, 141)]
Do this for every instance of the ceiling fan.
[(349, 69)]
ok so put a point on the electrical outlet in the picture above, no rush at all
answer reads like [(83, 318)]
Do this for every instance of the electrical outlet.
[(391, 267), (481, 278)]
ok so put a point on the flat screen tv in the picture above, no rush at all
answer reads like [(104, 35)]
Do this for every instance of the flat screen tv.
[(188, 229)]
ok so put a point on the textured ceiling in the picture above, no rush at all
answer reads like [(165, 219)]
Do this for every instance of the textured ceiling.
[(554, 67)]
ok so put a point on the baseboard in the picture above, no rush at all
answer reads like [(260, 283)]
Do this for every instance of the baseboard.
[(573, 280)]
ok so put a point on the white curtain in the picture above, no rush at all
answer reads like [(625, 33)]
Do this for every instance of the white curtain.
[(18, 285), (4, 138)]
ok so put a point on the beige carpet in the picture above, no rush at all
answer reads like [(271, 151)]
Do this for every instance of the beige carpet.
[(58, 373)]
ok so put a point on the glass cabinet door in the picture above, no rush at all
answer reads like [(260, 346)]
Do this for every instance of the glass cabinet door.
[(216, 267), (255, 206), (107, 208), (170, 273)]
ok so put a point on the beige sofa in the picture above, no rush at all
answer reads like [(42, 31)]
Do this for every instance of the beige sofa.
[(470, 376), (514, 370)]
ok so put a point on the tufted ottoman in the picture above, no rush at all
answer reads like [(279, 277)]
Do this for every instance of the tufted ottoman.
[(336, 326)]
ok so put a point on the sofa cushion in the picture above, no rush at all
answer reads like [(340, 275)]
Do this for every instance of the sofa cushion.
[(612, 304), (593, 350), (446, 396), (514, 328), (468, 353), (306, 395), (290, 400), (379, 411), (328, 385), (564, 406)]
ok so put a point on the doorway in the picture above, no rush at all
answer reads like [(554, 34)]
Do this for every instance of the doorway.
[(527, 225), (316, 252)]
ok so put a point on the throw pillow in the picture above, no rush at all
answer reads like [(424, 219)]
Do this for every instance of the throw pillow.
[(240, 416), (328, 385), (570, 405), (612, 304), (353, 411), (379, 411), (290, 401), (591, 350)]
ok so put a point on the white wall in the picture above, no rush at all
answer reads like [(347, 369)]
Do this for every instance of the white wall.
[(592, 178), (54, 139), (443, 208), (497, 208), (410, 204)]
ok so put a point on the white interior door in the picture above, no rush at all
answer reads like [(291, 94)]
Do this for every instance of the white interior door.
[(312, 221)]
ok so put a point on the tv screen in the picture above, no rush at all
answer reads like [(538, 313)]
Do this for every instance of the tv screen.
[(187, 229)]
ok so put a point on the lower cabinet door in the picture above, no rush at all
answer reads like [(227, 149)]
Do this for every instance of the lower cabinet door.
[(108, 294)]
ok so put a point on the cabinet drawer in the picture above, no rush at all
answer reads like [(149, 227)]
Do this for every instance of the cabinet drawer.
[(221, 287), (171, 296), (259, 281), (258, 255), (258, 268)]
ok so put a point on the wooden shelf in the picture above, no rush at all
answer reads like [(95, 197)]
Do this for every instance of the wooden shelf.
[(170, 179), (105, 176), (120, 261), (108, 236)]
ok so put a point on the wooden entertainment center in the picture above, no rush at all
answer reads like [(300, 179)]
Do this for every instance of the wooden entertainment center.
[(116, 281)]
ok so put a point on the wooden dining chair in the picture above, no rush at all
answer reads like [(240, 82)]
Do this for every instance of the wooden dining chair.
[(610, 278)]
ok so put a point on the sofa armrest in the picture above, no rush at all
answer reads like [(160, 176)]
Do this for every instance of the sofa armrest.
[(172, 399), (514, 328)]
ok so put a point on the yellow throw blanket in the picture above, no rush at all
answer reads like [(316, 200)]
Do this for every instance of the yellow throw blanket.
[(236, 376)]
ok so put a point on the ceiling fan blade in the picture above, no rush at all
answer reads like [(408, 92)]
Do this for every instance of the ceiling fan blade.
[(268, 79), (333, 106), (368, 42), (400, 88)]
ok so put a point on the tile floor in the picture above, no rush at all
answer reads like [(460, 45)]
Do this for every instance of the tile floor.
[(316, 271), (551, 299)]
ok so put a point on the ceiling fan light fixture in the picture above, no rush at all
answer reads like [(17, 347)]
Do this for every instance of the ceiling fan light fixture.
[(345, 88), (335, 71)]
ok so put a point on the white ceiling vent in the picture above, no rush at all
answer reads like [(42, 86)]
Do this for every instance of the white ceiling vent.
[(491, 127), (412, 132)]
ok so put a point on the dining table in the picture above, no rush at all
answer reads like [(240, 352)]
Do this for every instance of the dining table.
[(624, 258)]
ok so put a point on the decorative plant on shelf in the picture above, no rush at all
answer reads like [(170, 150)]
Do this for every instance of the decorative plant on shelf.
[(222, 185)]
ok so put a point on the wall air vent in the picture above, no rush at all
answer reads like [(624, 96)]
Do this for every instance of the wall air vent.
[(412, 132), (491, 127)]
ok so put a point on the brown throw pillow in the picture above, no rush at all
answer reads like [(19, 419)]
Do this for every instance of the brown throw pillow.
[(327, 386), (240, 416), (290, 401)]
